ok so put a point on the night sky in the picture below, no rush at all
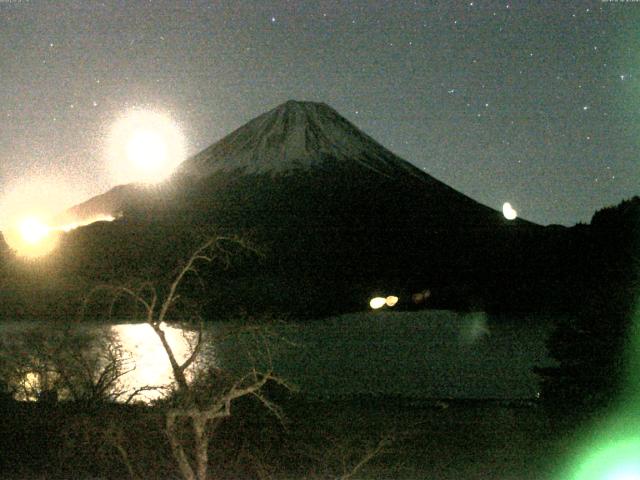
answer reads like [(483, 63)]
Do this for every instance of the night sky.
[(535, 102)]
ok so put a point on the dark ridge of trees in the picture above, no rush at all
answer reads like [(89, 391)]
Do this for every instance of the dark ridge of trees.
[(329, 240), (590, 345)]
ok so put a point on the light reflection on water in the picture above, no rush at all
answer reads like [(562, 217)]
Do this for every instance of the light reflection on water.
[(152, 367), (426, 354), (41, 354)]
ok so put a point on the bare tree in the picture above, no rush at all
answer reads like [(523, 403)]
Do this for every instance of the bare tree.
[(193, 410), (344, 455), (74, 363)]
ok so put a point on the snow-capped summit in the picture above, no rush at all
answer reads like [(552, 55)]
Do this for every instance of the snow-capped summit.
[(295, 135)]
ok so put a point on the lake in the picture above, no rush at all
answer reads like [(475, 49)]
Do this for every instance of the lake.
[(425, 354)]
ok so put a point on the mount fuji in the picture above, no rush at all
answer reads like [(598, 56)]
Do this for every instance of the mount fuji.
[(295, 138), (338, 217)]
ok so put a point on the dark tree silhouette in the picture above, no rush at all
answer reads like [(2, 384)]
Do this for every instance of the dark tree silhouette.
[(590, 345)]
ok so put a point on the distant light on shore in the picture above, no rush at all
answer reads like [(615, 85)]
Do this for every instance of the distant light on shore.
[(377, 302), (508, 211), (391, 300), (32, 237)]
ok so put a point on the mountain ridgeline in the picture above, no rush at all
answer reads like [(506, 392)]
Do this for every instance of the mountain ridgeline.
[(337, 219)]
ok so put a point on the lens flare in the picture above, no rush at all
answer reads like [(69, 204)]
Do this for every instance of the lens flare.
[(611, 461)]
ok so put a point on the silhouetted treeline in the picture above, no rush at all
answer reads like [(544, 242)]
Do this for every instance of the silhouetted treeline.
[(590, 344), (328, 240)]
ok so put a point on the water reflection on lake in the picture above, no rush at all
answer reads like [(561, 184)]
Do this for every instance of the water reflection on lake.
[(79, 359), (152, 367), (415, 354)]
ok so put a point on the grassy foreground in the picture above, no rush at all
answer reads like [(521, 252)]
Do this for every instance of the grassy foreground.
[(396, 439)]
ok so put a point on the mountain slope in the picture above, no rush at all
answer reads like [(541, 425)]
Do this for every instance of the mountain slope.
[(336, 214), (295, 138)]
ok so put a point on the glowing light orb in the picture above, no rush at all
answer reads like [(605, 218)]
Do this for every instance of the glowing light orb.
[(144, 147), (33, 237), (508, 211), (27, 208), (147, 150), (391, 300), (377, 302), (30, 237), (33, 230)]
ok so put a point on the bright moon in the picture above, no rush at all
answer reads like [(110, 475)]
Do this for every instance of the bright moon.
[(145, 147), (508, 211), (147, 150)]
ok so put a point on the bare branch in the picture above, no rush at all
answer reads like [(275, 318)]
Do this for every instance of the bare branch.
[(177, 449), (197, 255), (368, 456), (195, 351), (146, 388), (178, 374)]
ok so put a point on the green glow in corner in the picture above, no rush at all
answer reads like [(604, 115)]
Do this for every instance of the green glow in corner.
[(613, 449), (614, 461)]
